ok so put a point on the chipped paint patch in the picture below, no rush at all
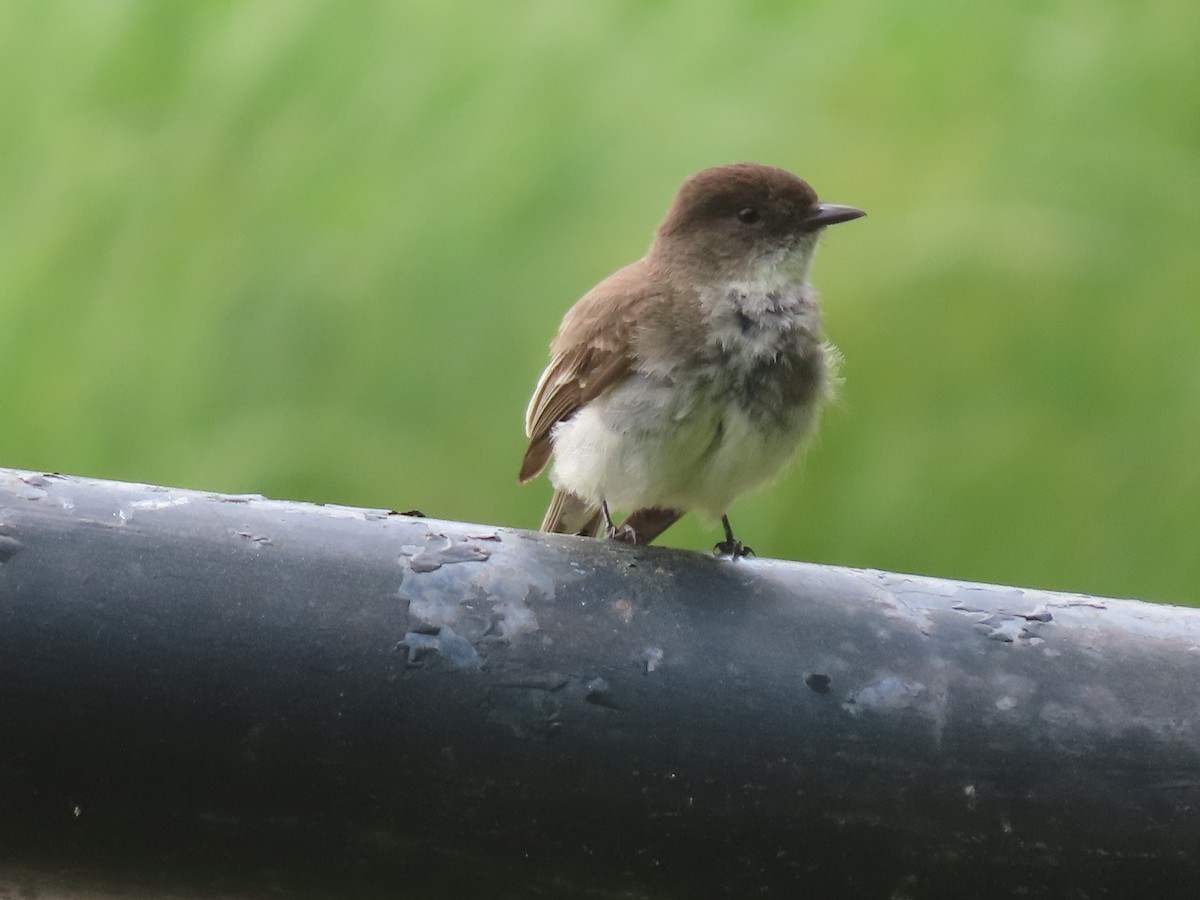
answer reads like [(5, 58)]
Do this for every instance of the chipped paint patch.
[(515, 618), (440, 550), (126, 513), (448, 647)]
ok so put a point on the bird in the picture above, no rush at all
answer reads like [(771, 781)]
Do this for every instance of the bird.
[(692, 375)]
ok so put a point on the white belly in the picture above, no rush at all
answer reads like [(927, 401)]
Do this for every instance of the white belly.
[(643, 445)]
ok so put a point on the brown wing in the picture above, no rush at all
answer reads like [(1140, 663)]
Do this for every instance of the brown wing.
[(571, 380), (592, 352)]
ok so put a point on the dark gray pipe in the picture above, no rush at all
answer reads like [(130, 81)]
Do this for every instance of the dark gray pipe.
[(226, 696)]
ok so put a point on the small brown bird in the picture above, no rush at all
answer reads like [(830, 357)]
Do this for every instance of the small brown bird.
[(688, 377)]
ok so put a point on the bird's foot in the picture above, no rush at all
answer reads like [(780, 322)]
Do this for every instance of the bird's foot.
[(735, 549), (731, 546), (625, 533)]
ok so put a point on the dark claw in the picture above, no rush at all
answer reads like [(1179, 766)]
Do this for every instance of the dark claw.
[(731, 546), (734, 549)]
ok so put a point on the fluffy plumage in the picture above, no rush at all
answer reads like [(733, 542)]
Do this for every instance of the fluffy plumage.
[(689, 377)]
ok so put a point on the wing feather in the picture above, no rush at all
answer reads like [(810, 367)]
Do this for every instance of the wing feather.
[(572, 380), (592, 353)]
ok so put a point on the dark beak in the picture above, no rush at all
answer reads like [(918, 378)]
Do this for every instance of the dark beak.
[(830, 214)]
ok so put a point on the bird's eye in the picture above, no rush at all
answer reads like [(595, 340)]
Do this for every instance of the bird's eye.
[(749, 215)]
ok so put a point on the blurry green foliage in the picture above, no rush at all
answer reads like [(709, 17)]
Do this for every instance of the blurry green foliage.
[(316, 250)]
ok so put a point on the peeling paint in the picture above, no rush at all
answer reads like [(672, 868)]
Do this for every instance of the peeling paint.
[(447, 646), (1006, 624), (434, 610), (440, 550), (892, 694), (126, 513), (652, 658), (260, 539), (514, 618), (888, 694)]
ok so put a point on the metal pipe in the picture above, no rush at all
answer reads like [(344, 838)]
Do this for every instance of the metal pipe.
[(209, 695)]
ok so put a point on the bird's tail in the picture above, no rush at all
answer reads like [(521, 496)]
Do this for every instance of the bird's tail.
[(569, 514)]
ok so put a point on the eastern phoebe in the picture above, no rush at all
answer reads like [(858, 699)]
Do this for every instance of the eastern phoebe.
[(689, 377)]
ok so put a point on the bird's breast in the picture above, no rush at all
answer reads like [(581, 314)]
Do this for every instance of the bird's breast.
[(763, 351)]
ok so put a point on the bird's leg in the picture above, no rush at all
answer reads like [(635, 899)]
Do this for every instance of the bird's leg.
[(624, 534), (731, 546)]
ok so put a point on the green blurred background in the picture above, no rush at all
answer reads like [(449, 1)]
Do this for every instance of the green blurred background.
[(316, 250)]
